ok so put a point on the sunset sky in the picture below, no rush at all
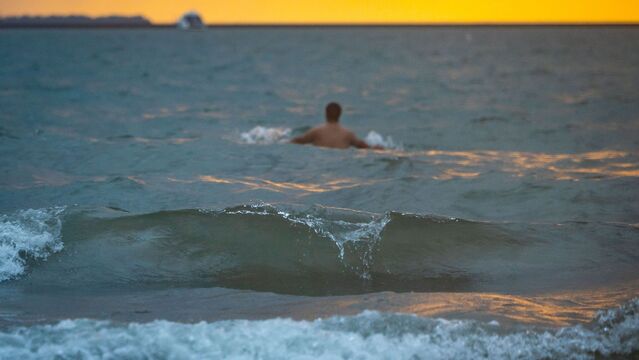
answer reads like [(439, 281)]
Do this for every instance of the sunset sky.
[(341, 11)]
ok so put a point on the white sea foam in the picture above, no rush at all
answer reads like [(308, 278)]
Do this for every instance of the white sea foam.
[(265, 135), (373, 138), (28, 234), (370, 335)]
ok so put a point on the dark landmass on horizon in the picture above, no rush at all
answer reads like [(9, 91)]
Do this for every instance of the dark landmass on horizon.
[(79, 21), (74, 21)]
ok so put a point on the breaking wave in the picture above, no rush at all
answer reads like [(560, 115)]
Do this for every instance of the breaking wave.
[(28, 234), (369, 335), (316, 251), (306, 251)]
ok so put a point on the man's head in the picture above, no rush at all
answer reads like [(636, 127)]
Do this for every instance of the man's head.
[(333, 111)]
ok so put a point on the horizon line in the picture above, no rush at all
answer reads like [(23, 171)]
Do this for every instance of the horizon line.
[(417, 24), (336, 24), (319, 24)]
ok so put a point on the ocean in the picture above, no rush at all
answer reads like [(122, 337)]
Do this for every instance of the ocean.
[(151, 206)]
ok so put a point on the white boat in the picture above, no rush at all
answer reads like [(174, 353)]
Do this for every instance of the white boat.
[(191, 21)]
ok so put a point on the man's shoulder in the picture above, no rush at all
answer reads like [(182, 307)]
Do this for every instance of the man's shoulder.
[(348, 132), (315, 130)]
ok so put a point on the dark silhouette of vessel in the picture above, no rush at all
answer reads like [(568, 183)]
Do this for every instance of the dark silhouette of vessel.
[(191, 21)]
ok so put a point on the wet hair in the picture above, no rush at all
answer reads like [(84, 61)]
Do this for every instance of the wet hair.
[(333, 111)]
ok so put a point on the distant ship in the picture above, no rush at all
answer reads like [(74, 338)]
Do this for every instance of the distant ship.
[(191, 21)]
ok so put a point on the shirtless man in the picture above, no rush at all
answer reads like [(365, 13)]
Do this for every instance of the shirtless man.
[(332, 134)]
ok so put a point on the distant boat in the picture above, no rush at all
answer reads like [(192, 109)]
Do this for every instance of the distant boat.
[(191, 21)]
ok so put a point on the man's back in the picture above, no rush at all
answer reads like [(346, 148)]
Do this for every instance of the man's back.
[(331, 134)]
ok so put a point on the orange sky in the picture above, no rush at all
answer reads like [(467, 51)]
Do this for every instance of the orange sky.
[(341, 11)]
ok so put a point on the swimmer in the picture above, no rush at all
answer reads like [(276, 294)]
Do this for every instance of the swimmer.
[(332, 134)]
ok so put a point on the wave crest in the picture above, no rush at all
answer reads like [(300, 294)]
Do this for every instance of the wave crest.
[(28, 234), (314, 251)]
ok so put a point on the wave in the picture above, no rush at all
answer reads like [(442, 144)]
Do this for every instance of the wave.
[(314, 251), (369, 335), (277, 135), (28, 234), (308, 251)]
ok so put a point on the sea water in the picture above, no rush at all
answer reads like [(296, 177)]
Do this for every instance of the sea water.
[(152, 207)]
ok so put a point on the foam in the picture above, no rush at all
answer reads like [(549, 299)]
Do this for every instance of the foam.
[(28, 234), (265, 135), (369, 335), (373, 138)]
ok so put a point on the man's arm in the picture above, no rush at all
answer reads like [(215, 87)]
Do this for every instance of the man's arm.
[(306, 138), (361, 144)]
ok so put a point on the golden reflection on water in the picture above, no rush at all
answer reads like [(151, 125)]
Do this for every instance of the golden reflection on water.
[(554, 309), (558, 311), (470, 164), (441, 165), (452, 173), (255, 183)]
